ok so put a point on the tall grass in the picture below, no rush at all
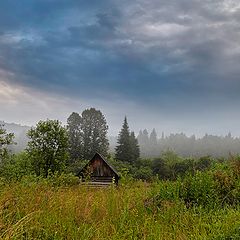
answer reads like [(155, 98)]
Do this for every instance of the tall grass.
[(40, 210)]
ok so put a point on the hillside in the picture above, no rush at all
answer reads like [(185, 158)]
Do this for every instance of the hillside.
[(19, 133)]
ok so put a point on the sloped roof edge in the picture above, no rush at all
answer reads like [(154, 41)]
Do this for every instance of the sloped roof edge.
[(99, 155)]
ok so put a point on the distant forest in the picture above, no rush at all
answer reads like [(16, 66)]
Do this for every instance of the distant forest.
[(152, 145)]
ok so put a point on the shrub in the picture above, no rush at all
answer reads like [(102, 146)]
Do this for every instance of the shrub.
[(16, 167), (199, 189), (59, 180)]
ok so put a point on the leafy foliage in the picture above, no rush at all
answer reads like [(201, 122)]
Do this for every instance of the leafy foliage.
[(87, 135), (48, 147), (5, 140), (94, 132), (16, 166), (75, 137)]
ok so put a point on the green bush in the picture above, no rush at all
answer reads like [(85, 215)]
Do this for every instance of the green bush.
[(15, 167), (62, 180), (199, 189), (144, 173)]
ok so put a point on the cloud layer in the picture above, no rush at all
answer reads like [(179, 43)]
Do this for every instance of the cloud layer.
[(169, 58)]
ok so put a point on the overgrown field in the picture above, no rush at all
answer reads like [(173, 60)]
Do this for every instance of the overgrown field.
[(203, 206)]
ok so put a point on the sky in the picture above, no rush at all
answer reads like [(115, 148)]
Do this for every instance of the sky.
[(173, 65)]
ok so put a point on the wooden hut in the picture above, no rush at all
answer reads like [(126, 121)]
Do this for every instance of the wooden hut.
[(98, 172)]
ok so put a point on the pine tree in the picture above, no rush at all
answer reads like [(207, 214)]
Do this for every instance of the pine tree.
[(153, 138), (145, 138), (144, 143), (127, 149), (123, 148), (140, 137), (153, 144), (135, 147)]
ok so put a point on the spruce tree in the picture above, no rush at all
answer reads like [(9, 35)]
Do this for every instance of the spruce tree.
[(123, 148), (145, 138), (134, 147), (153, 144), (140, 137), (153, 138), (127, 149)]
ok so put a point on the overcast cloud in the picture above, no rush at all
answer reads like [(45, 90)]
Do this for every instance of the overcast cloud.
[(169, 64)]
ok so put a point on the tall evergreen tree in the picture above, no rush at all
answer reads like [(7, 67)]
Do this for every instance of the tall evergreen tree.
[(140, 137), (145, 137), (127, 149), (94, 133), (153, 138), (123, 148), (143, 140), (134, 147), (75, 137)]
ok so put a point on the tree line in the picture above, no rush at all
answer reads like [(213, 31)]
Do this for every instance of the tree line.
[(218, 146), (55, 148)]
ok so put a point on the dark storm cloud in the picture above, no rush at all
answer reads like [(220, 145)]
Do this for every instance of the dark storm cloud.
[(182, 54)]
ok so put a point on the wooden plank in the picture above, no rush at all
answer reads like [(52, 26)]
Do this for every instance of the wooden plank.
[(96, 184)]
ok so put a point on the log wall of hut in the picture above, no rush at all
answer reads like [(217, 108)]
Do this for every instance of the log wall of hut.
[(98, 170)]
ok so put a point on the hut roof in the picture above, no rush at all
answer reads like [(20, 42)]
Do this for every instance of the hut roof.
[(97, 155)]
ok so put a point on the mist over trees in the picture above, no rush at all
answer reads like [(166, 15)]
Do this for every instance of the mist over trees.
[(151, 143), (20, 136), (217, 146)]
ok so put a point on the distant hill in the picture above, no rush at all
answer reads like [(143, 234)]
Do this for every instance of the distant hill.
[(19, 133)]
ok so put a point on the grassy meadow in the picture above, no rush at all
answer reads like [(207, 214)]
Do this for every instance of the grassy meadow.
[(203, 206)]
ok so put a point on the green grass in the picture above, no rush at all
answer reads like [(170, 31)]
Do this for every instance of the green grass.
[(41, 211)]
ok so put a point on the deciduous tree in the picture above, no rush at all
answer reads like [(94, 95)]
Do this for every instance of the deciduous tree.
[(5, 140), (48, 147), (75, 137), (94, 133)]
